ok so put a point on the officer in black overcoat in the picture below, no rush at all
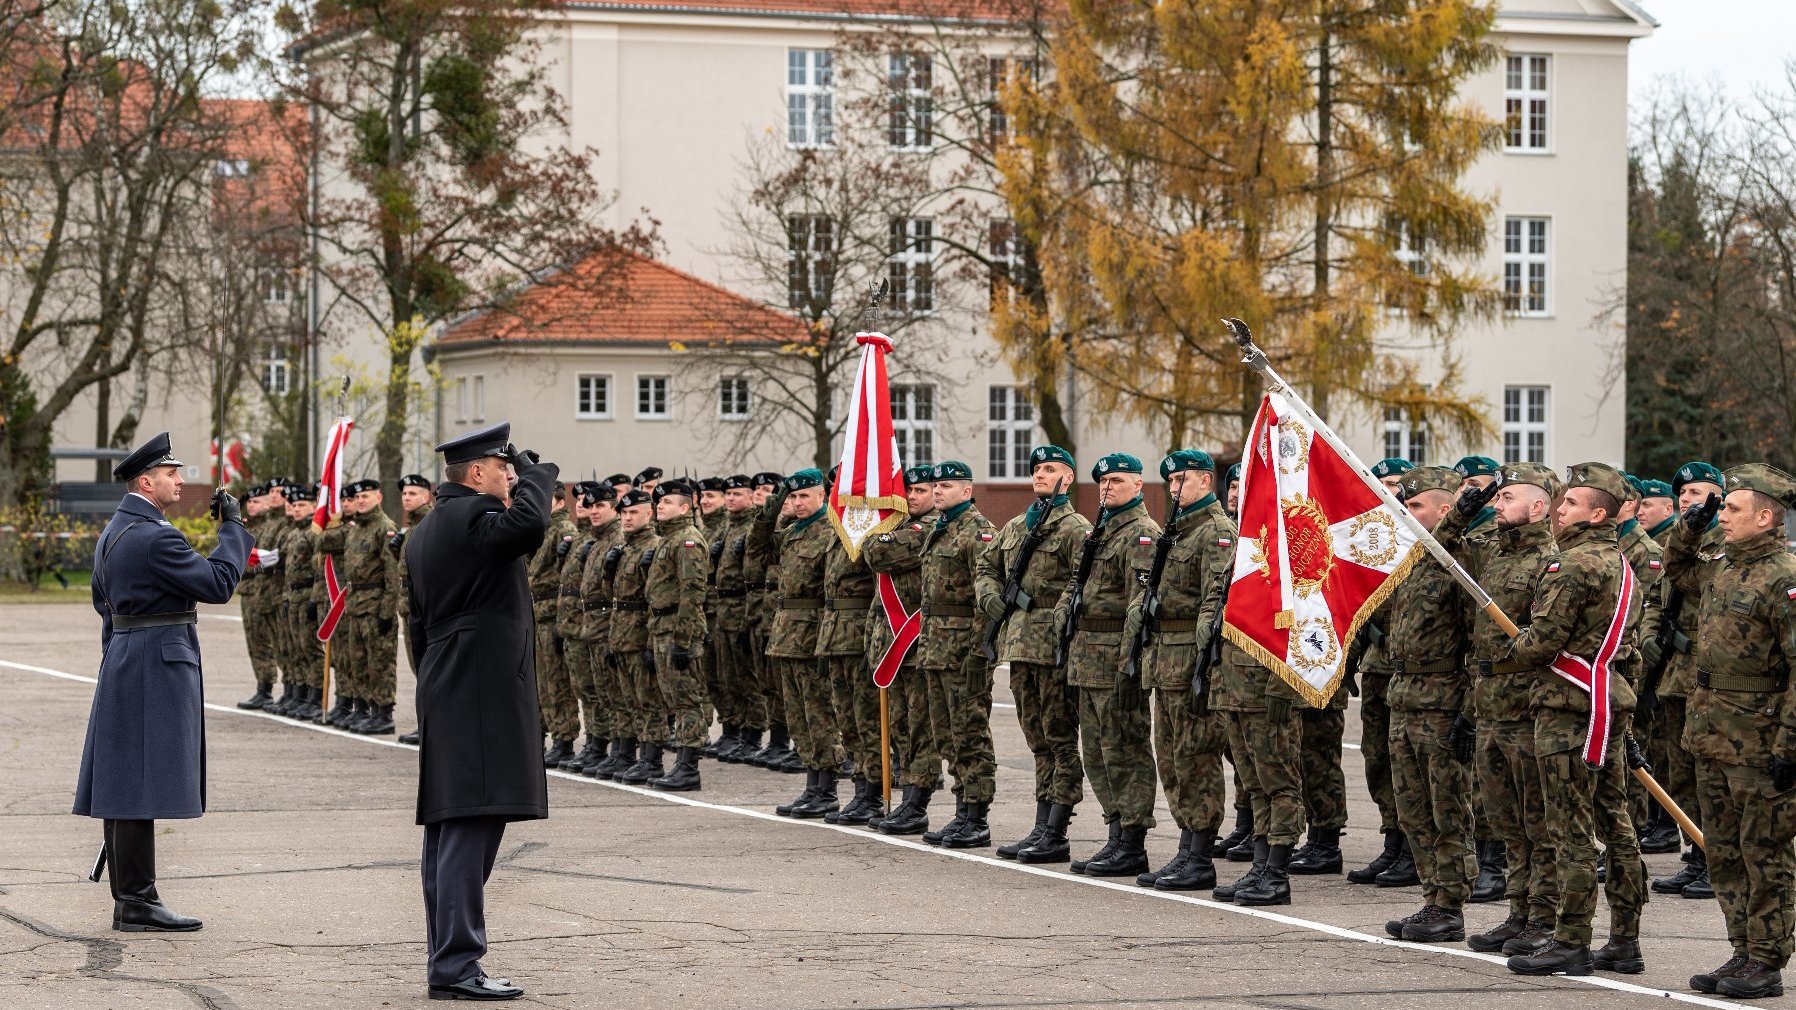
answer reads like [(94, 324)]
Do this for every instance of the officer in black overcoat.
[(473, 643), (145, 755)]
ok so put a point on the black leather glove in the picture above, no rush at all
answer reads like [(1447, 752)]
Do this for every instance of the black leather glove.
[(611, 558), (1472, 500), (1636, 758), (1783, 770), (225, 508), (1351, 683), (1646, 707), (562, 548), (312, 612), (1200, 695), (1463, 737), (680, 656), (385, 625), (396, 543), (525, 457), (1698, 517)]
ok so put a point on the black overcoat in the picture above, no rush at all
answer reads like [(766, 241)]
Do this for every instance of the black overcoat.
[(473, 643), (145, 756)]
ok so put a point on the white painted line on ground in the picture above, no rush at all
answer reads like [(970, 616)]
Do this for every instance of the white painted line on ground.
[(1339, 932)]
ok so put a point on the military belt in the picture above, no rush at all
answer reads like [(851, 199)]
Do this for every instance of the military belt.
[(575, 593), (947, 610), (1175, 624), (538, 597), (1401, 666), (808, 604), (1681, 642), (849, 602), (1486, 668), (664, 611), (1098, 625), (630, 606), (1714, 683), (731, 594), (597, 606), (134, 622)]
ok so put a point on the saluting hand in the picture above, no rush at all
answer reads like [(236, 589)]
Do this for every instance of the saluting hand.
[(1472, 500), (1698, 517)]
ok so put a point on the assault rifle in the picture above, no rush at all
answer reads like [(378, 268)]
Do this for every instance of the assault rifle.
[(1150, 598), (1014, 597), (1087, 554), (1212, 650)]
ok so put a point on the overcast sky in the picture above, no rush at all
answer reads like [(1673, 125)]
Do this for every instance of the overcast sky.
[(1741, 43)]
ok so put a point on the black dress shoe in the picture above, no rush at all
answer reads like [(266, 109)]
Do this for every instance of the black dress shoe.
[(411, 738), (133, 916), (478, 987)]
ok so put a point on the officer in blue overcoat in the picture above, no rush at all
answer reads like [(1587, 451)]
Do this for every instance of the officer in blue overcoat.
[(145, 756)]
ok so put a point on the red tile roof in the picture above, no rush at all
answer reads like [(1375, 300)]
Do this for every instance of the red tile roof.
[(635, 300), (920, 10)]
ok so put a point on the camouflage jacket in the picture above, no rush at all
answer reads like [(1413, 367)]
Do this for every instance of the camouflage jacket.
[(760, 565), (951, 549), (1376, 658), (629, 631), (1430, 621), (1643, 553), (729, 553), (595, 583), (1741, 711), (1690, 574), (545, 567), (1030, 636), (803, 554), (368, 572), (1198, 566), (256, 585), (1508, 564), (409, 521), (899, 554), (304, 567), (678, 578), (568, 604), (1125, 553), (848, 594)]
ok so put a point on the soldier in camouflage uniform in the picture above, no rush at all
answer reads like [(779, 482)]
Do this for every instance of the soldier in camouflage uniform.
[(711, 517), (1237, 845), (1189, 739), (678, 581), (554, 688), (1509, 565), (1477, 473), (1046, 708), (1741, 722), (760, 574), (899, 554), (305, 593), (1265, 735), (848, 595), (569, 611), (1115, 725), (959, 680), (369, 574), (416, 499), (1432, 733), (1616, 786), (587, 637), (1656, 513), (803, 555), (631, 658), (264, 510), (738, 707)]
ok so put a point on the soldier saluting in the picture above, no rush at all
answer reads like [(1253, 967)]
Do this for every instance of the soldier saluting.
[(145, 755)]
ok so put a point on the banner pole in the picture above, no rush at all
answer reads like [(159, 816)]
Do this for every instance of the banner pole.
[(324, 700), (885, 748)]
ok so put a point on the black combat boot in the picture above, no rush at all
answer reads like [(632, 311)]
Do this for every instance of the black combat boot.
[(1273, 885), (1695, 868), (258, 701), (1395, 927), (647, 766), (684, 776), (954, 823), (854, 805), (877, 819), (622, 754), (1555, 958), (309, 704), (1534, 938), (1661, 833), (380, 720), (823, 798), (590, 754), (789, 761), (1753, 980), (873, 809), (1227, 892), (1321, 855), (357, 715), (1126, 860), (559, 750), (779, 743), (1151, 877), (1493, 868), (748, 742), (1368, 874), (1243, 833), (725, 740), (1620, 955), (1493, 940), (1709, 982), (131, 862), (344, 714), (1401, 873), (1436, 925), (279, 706), (1102, 854), (1052, 846), (1701, 888), (1010, 850), (912, 816), (810, 790), (1197, 872), (974, 832)]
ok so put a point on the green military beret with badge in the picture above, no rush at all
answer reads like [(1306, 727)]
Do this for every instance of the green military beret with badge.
[(952, 469), (1635, 485), (1051, 454), (1695, 472), (1234, 474), (1765, 479), (1422, 479), (1116, 462), (1184, 460), (1598, 476), (1392, 466), (1650, 488), (1476, 466), (918, 475), (810, 476), (1538, 474)]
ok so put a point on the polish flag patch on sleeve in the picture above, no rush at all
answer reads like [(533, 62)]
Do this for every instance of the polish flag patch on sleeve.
[(1144, 541), (1552, 568), (1654, 565), (1223, 542), (984, 537), (1791, 593), (690, 543)]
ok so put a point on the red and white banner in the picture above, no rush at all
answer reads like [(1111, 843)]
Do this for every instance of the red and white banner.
[(330, 505), (1319, 550), (1593, 674), (234, 466)]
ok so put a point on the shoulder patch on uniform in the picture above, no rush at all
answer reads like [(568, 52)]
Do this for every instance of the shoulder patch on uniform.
[(1654, 564), (1553, 567), (690, 543), (1144, 541), (1223, 541), (985, 536), (1791, 592), (917, 527)]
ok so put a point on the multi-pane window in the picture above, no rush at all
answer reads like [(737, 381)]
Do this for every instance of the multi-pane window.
[(1525, 264), (476, 398), (1004, 248), (1525, 93), (1524, 424), (1410, 250), (810, 260), (911, 116), (733, 400), (275, 287), (910, 264), (1405, 438), (810, 98), (592, 397), (461, 399), (1010, 422), (651, 397), (274, 371), (913, 423), (999, 72)]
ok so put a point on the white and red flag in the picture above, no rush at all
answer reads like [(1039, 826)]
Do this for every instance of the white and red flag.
[(1319, 550), (234, 466), (330, 505), (868, 496)]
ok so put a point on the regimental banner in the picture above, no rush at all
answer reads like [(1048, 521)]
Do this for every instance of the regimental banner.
[(868, 496), (330, 505), (1319, 550)]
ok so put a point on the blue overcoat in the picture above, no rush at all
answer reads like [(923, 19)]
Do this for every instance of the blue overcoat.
[(145, 757)]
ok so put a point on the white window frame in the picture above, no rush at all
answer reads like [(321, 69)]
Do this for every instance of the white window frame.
[(1528, 103), (461, 399), (724, 398), (1009, 432), (998, 69), (275, 287), (910, 264), (910, 114), (644, 382), (1524, 261), (1409, 252), (810, 248), (275, 372), (1404, 437), (1527, 423), (477, 397), (583, 410), (1005, 249), (913, 422), (810, 98)]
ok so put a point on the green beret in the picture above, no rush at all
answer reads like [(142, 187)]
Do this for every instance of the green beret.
[(1692, 472), (1476, 466), (952, 470), (1634, 486), (1600, 476), (1116, 462), (810, 476), (1430, 478), (1391, 467), (1051, 454), (1234, 474), (1765, 479), (1538, 474), (917, 475), (1182, 460), (1650, 488)]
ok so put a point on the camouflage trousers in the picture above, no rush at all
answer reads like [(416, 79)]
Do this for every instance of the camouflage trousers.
[(1568, 789), (919, 755), (1048, 712), (649, 714), (1433, 793), (856, 704), (365, 658), (810, 712), (683, 694), (737, 690), (1508, 777), (554, 688), (304, 662), (1115, 734), (1747, 825), (1673, 766), (1625, 885), (262, 635), (1375, 746), (1188, 750), (1324, 783), (1269, 746), (589, 686), (960, 715), (768, 685)]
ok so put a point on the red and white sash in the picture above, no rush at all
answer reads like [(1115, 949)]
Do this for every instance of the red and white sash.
[(1593, 675), (905, 628)]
